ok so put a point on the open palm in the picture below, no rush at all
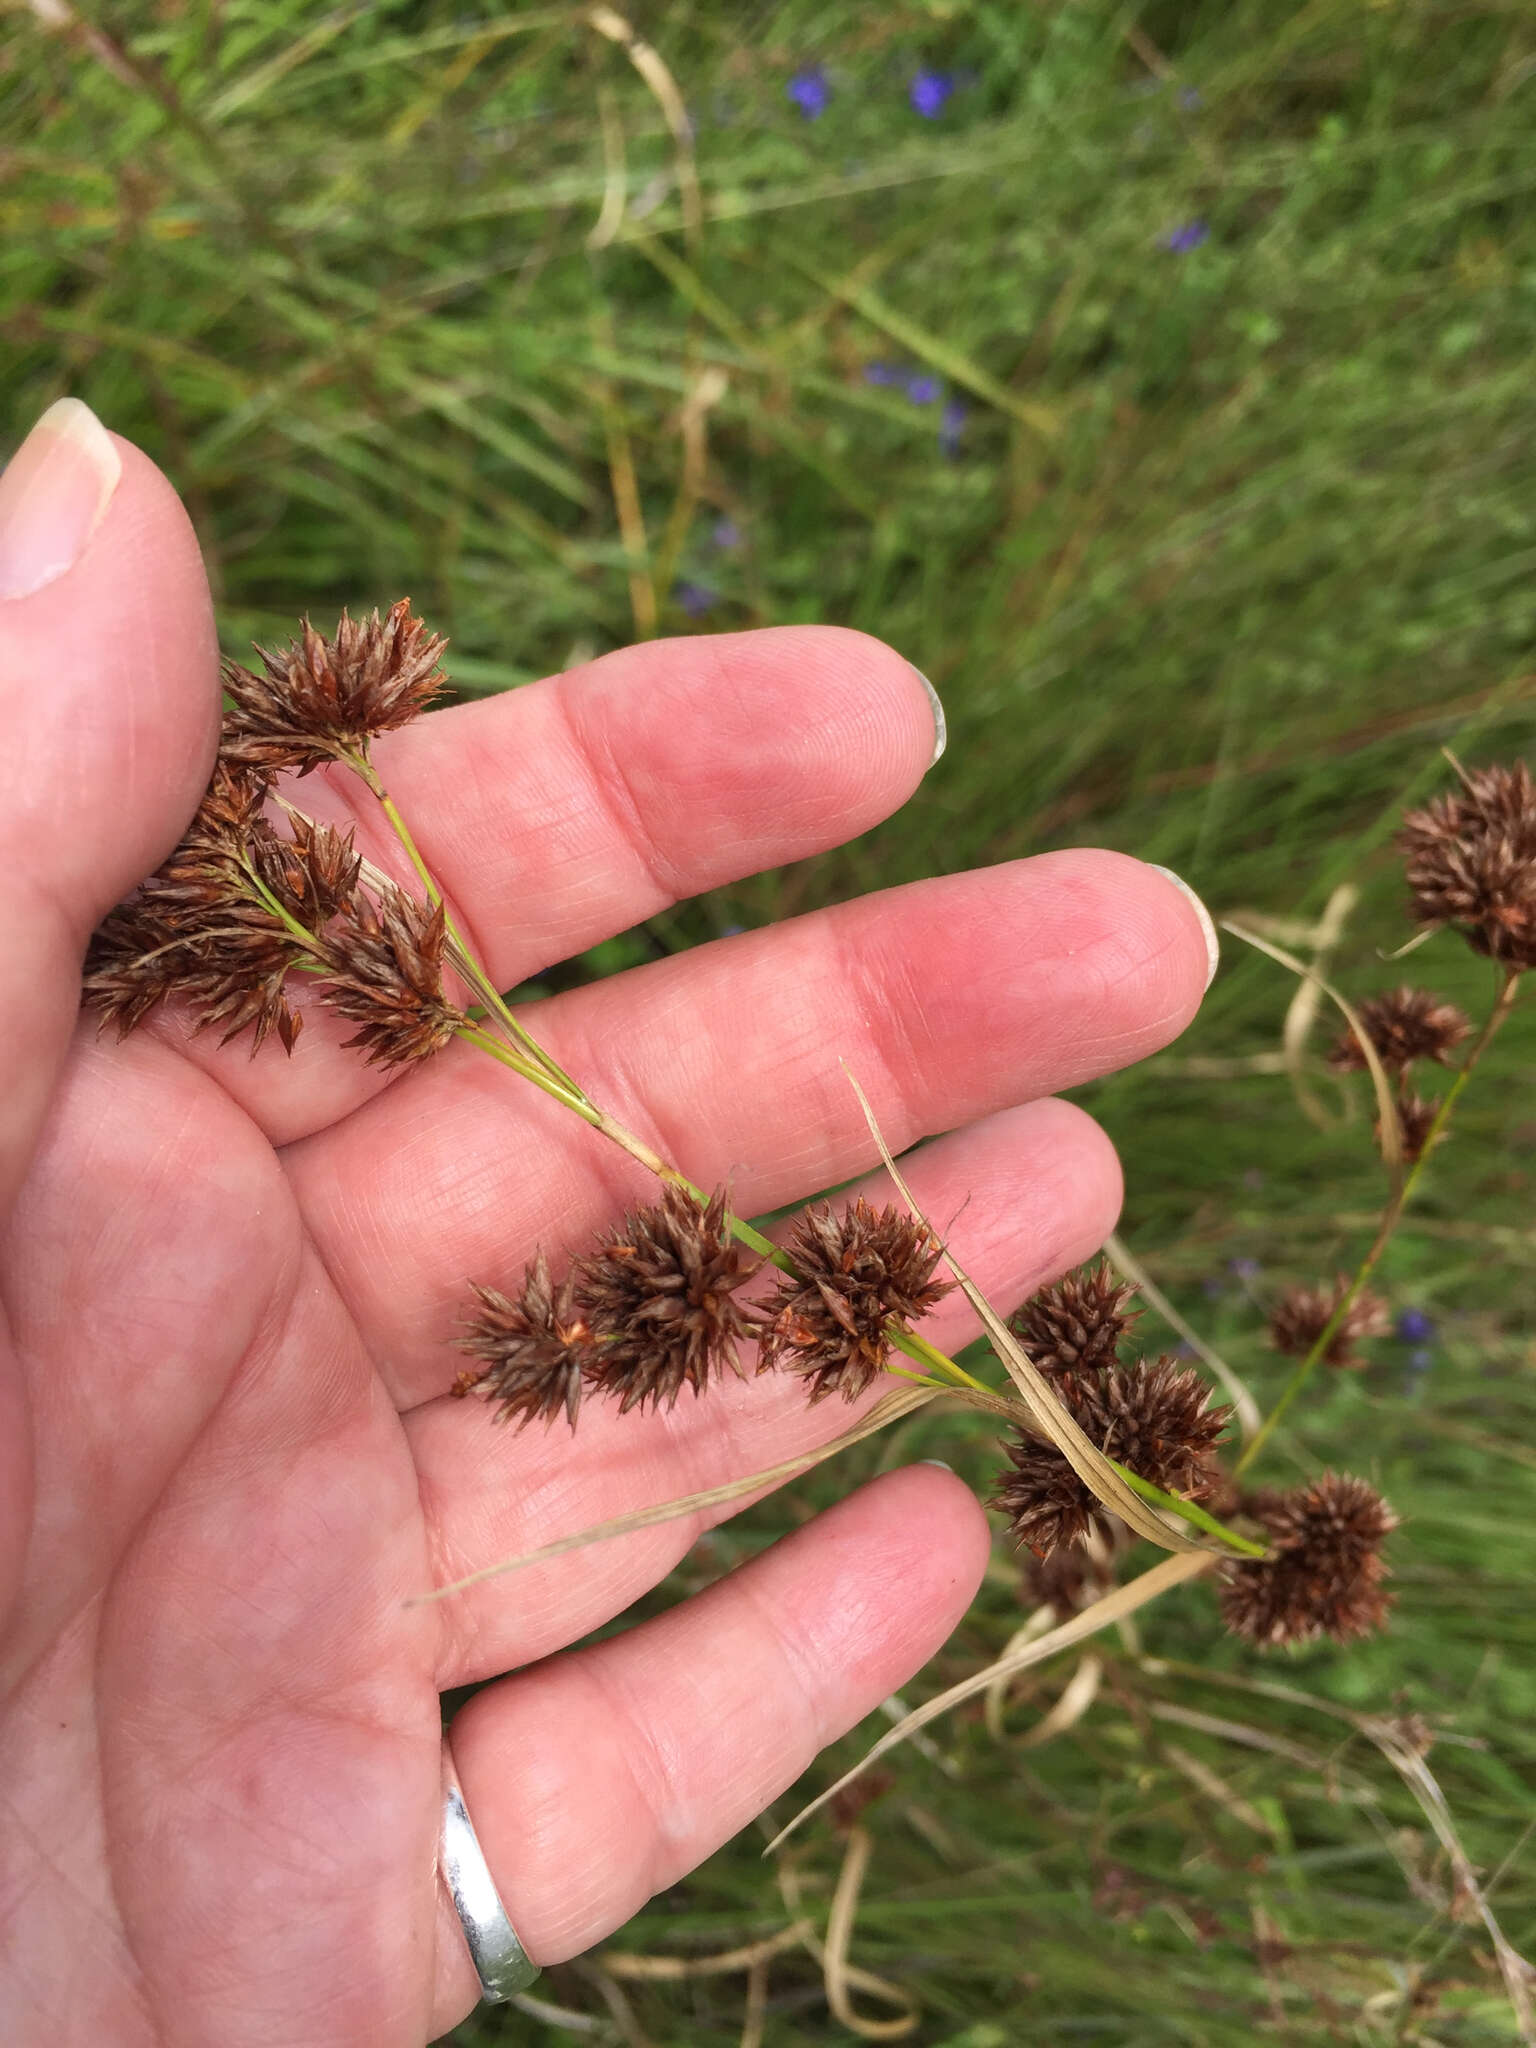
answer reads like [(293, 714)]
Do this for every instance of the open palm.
[(230, 1288)]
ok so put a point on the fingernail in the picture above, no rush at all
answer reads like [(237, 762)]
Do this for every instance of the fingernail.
[(52, 496), (940, 729), (936, 1461), (1212, 943)]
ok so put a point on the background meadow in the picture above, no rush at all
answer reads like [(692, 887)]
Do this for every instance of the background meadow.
[(1159, 379)]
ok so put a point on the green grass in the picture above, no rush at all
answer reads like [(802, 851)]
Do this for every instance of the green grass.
[(1232, 540)]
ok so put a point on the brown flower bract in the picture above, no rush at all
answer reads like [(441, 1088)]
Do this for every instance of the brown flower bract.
[(533, 1351), (384, 961), (1471, 861), (1154, 1417), (1324, 1573), (660, 1298), (1076, 1325), (1301, 1315), (1415, 1119), (861, 1270), (321, 698), (1405, 1025)]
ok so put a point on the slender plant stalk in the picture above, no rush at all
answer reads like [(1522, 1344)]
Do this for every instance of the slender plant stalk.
[(1390, 1218), (529, 1059)]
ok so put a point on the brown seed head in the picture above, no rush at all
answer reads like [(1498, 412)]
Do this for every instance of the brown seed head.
[(1405, 1025), (1415, 1117), (862, 1270), (1323, 1575), (532, 1351), (384, 960), (660, 1297), (1154, 1417), (197, 927), (1471, 861), (1301, 1315), (1069, 1579), (319, 698), (1075, 1326)]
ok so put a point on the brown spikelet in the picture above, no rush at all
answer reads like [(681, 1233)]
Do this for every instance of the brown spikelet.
[(1415, 1119), (1154, 1417), (660, 1298), (532, 1351), (1301, 1315), (1405, 1025), (1323, 1575), (861, 1270), (384, 960), (1075, 1325), (1471, 861), (319, 698), (197, 928)]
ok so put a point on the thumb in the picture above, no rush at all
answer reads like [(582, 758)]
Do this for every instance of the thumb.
[(109, 707)]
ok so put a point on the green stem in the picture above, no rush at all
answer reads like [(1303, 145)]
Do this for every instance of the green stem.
[(464, 958), (1391, 1216)]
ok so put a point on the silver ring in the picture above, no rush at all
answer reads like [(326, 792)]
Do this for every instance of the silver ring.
[(500, 1960)]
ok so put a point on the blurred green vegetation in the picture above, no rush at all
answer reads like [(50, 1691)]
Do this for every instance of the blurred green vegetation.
[(1164, 393)]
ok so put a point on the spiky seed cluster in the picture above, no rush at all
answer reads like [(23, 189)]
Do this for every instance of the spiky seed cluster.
[(1076, 1325), (1405, 1025), (320, 698), (861, 1270), (1154, 1417), (660, 1298), (533, 1351), (1471, 861), (198, 927), (1324, 1572), (1302, 1314), (385, 962)]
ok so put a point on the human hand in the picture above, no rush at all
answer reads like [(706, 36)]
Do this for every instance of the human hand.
[(230, 1287)]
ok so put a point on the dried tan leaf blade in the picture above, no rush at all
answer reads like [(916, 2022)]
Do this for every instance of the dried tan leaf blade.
[(660, 1297), (860, 1271), (319, 698), (1324, 1571)]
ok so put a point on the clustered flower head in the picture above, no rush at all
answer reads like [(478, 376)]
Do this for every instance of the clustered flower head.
[(1405, 1025), (651, 1310), (242, 911), (1302, 1314), (1324, 1570), (857, 1271), (1153, 1416), (1471, 862)]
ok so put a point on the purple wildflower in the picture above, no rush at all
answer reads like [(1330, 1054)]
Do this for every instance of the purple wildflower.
[(1187, 235), (725, 534), (695, 599), (1189, 99), (883, 373), (1414, 1327), (810, 91), (922, 388), (930, 89), (1243, 1269), (951, 426)]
